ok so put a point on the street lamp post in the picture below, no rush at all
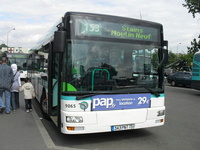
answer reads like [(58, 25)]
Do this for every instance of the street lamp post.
[(7, 36), (177, 47)]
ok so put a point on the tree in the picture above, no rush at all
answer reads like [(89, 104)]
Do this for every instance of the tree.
[(185, 64), (2, 45), (181, 62), (193, 6), (195, 47), (2, 53), (172, 57)]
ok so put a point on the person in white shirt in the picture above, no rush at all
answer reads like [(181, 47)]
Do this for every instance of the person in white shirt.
[(14, 88), (29, 94)]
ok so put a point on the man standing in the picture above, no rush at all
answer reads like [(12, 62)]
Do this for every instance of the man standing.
[(6, 80)]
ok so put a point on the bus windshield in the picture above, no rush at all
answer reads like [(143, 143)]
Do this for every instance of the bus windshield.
[(110, 66), (19, 59)]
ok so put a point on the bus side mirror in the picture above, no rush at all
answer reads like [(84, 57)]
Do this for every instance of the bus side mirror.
[(165, 51), (59, 41)]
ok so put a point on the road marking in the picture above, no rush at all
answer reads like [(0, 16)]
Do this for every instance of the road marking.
[(45, 135)]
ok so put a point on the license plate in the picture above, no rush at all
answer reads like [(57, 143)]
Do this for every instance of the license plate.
[(122, 127)]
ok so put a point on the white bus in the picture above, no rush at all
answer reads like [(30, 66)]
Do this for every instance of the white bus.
[(101, 74), (21, 60)]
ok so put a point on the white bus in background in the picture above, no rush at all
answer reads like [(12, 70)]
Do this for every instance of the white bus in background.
[(21, 60)]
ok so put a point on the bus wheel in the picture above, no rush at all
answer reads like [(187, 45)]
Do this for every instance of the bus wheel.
[(173, 83), (44, 107)]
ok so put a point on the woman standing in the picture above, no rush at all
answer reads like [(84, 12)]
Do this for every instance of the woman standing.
[(14, 88)]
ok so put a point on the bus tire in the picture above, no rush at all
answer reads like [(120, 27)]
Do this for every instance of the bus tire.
[(44, 106)]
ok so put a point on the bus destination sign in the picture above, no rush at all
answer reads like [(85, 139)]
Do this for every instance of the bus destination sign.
[(115, 30)]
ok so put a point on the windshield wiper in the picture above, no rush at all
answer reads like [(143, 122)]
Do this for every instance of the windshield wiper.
[(93, 94), (152, 91), (85, 95), (145, 87)]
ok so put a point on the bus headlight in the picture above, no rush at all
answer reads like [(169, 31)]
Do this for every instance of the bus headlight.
[(161, 113), (74, 119)]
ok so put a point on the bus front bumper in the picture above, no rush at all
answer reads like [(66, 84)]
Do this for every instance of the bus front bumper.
[(96, 122)]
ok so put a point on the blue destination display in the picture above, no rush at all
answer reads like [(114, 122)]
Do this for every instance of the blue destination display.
[(115, 30), (122, 101)]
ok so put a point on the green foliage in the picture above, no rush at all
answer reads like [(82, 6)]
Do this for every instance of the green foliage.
[(195, 47), (187, 58), (171, 57), (193, 6), (2, 53), (2, 45), (180, 61)]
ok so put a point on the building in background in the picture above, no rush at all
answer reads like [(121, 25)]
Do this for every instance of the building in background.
[(15, 49)]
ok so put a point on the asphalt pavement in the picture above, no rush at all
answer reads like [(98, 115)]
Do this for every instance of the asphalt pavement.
[(20, 130)]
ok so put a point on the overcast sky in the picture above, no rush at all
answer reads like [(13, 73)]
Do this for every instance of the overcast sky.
[(33, 18)]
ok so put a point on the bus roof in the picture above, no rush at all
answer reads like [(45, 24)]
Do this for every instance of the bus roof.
[(110, 17)]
